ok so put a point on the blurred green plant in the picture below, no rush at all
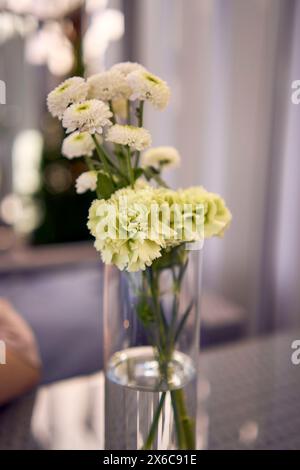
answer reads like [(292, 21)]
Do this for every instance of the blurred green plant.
[(63, 209)]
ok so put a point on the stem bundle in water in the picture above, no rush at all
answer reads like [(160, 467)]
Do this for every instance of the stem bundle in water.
[(164, 341)]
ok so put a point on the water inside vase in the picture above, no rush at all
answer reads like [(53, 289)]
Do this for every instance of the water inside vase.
[(133, 390), (138, 368)]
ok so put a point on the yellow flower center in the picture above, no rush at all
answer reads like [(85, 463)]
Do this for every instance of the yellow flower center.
[(83, 107), (63, 88), (152, 79), (79, 137)]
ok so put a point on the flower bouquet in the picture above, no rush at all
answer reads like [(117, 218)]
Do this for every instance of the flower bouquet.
[(149, 237)]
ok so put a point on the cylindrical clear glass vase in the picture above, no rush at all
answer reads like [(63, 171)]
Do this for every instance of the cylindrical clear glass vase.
[(151, 346)]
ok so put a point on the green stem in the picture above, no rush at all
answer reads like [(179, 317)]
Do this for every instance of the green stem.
[(113, 118), (151, 174), (120, 172), (101, 154), (140, 117), (106, 160), (129, 167), (153, 429), (121, 157), (177, 418), (128, 112), (175, 307), (140, 114), (165, 344), (154, 288), (186, 425), (89, 163), (183, 321), (159, 180)]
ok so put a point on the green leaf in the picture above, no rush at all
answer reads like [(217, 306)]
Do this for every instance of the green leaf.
[(138, 172), (144, 311), (166, 261), (183, 320), (121, 183), (173, 257), (105, 186)]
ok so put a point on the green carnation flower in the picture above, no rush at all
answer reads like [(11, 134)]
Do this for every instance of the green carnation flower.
[(135, 225)]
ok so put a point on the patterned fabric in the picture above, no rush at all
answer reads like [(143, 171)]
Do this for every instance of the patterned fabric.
[(15, 422), (249, 394)]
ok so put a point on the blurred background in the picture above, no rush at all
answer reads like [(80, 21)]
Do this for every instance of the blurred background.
[(230, 66)]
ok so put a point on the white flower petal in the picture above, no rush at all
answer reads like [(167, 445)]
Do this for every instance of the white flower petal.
[(78, 144), (136, 138), (70, 91), (87, 181), (125, 68), (146, 86), (161, 156), (89, 116), (108, 85)]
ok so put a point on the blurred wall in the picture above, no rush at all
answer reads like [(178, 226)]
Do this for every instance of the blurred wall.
[(228, 65), (21, 110), (284, 272)]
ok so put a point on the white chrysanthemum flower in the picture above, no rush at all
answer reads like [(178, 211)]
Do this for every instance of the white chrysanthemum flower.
[(136, 138), (89, 116), (125, 68), (78, 144), (161, 157), (87, 181), (72, 90), (146, 86), (108, 85)]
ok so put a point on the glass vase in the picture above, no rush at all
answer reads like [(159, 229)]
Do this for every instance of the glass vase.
[(151, 347)]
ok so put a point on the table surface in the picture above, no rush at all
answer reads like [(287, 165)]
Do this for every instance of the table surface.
[(248, 399), (251, 395)]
